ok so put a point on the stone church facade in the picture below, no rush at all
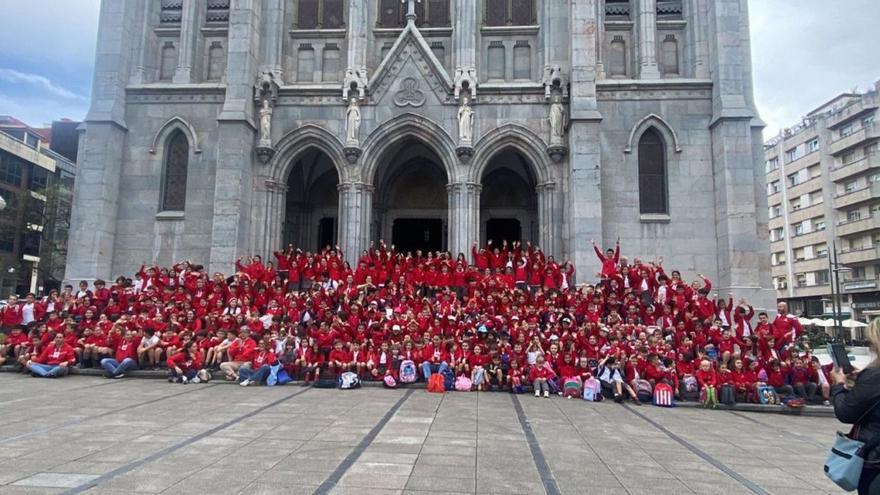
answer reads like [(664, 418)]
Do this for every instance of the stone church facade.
[(220, 128)]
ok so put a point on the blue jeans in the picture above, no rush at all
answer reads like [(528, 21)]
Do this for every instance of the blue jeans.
[(428, 368), (189, 374), (48, 370), (115, 368), (258, 376)]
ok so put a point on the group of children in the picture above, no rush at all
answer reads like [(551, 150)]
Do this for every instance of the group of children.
[(509, 318)]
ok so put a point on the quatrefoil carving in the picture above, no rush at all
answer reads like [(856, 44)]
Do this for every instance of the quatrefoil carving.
[(409, 94)]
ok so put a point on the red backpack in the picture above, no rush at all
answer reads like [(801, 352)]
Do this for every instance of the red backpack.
[(435, 383)]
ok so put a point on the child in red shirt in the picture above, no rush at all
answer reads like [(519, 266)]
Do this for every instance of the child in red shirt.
[(540, 375)]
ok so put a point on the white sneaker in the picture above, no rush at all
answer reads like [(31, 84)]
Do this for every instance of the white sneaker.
[(537, 394), (184, 380), (196, 380), (245, 383), (546, 395)]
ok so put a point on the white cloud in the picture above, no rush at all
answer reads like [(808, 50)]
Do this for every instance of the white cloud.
[(41, 82)]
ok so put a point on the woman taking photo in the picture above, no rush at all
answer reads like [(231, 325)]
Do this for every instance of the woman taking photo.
[(859, 405)]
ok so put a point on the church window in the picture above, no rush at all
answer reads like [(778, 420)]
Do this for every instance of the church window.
[(617, 57), (522, 60), (320, 14), (168, 63), (652, 173), (496, 60), (669, 9), (330, 65), (172, 11), (174, 176), (510, 12), (217, 13), (216, 61), (429, 13), (669, 55), (305, 63), (617, 10)]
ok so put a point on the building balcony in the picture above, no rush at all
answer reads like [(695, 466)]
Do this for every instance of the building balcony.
[(857, 108), (809, 239), (810, 265), (842, 144), (774, 199), (858, 167), (857, 256), (810, 290), (779, 270), (802, 162), (807, 186), (859, 285), (858, 196), (860, 226), (801, 214)]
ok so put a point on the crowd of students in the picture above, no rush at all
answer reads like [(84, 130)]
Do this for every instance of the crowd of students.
[(508, 318)]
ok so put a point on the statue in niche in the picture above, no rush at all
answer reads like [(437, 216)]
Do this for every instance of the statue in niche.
[(557, 120), (266, 123), (465, 123), (352, 122)]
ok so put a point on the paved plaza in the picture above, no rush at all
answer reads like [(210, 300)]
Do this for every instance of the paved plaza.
[(91, 435)]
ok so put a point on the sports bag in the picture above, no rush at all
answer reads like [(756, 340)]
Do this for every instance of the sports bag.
[(349, 380), (283, 377), (407, 371), (663, 395), (728, 395), (435, 384), (389, 381), (463, 384)]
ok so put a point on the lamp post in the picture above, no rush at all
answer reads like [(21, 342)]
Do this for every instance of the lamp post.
[(835, 269)]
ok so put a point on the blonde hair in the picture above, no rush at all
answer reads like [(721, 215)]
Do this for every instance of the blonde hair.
[(872, 333)]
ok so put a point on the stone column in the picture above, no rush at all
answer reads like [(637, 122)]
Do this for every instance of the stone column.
[(464, 216), (356, 35), (355, 215), (139, 74), (274, 43), (464, 37), (236, 161), (553, 19), (548, 218), (741, 232), (646, 22), (189, 30), (583, 210), (696, 41), (90, 252), (270, 201)]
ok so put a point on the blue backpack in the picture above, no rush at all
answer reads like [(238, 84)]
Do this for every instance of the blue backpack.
[(448, 379)]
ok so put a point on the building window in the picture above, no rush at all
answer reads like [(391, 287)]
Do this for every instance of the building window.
[(796, 204), (776, 211), (772, 164), (669, 55), (792, 154), (868, 121), (848, 157), (429, 13), (774, 187), (216, 61), (857, 273), (39, 179), (795, 179), (819, 225), (652, 173), (217, 12), (801, 279), (522, 60), (330, 65), (496, 60), (319, 14), (777, 234), (822, 251), (10, 170), (849, 187), (799, 229), (813, 145), (853, 215), (174, 176), (168, 63), (171, 11), (617, 57), (822, 277), (510, 12), (305, 63), (846, 130)]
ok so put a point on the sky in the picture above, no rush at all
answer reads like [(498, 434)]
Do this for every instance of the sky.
[(804, 52)]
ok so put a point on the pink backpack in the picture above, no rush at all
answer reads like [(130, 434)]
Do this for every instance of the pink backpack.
[(389, 381), (463, 384)]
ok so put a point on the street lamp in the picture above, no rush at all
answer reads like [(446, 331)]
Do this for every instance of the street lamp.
[(835, 268)]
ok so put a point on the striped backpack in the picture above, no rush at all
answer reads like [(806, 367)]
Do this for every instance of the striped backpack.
[(663, 395)]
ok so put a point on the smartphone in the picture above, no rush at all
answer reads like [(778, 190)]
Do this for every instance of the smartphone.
[(837, 351)]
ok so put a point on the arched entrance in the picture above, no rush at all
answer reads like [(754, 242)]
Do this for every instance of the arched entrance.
[(410, 202), (312, 205), (508, 201)]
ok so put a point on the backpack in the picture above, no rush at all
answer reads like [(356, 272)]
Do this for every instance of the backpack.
[(463, 384), (592, 390), (326, 383), (663, 395), (272, 379), (728, 395), (349, 380), (407, 371), (767, 395), (644, 391), (709, 397), (389, 381), (448, 378), (572, 387), (690, 384), (435, 384)]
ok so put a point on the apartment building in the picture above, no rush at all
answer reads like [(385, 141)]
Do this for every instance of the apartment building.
[(823, 184)]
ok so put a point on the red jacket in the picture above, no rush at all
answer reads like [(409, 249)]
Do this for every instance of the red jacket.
[(263, 358), (541, 372), (53, 357), (10, 316), (184, 362), (126, 349), (242, 350)]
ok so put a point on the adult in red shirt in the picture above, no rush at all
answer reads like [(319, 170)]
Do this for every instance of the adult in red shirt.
[(240, 352), (125, 357), (260, 366), (786, 327), (54, 361)]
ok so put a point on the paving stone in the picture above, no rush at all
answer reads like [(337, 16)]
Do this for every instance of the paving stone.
[(55, 480)]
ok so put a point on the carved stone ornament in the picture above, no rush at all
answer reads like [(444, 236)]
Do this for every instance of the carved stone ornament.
[(355, 80), (265, 153), (464, 153), (465, 80), (409, 94), (266, 88), (352, 153), (554, 80), (557, 153)]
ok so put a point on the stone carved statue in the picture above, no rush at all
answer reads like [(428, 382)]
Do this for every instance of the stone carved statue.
[(266, 123), (465, 123), (557, 120), (352, 122)]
